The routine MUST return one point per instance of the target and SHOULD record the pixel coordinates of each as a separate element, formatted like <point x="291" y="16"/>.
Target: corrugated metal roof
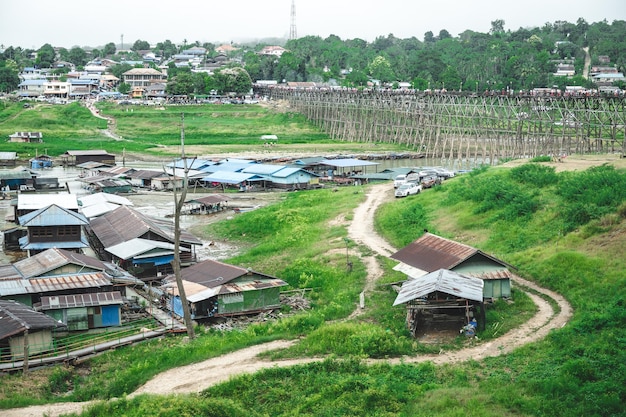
<point x="287" y="171"/>
<point x="53" y="215"/>
<point x="229" y="177"/>
<point x="430" y="253"/>
<point x="67" y="282"/>
<point x="210" y="199"/>
<point x="15" y="174"/>
<point x="8" y="156"/>
<point x="96" y="210"/>
<point x="262" y="169"/>
<point x="99" y="198"/>
<point x="125" y="223"/>
<point x="145" y="174"/>
<point x="233" y="288"/>
<point x="80" y="300"/>
<point x="442" y="280"/>
<point x="16" y="317"/>
<point x="212" y="273"/>
<point x="136" y="247"/>
<point x="44" y="262"/>
<point x="88" y="152"/>
<point x="37" y="201"/>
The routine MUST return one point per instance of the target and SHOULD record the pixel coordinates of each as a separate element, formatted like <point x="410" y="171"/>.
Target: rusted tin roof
<point x="80" y="300"/>
<point x="16" y="317"/>
<point x="212" y="273"/>
<point x="210" y="199"/>
<point x="51" y="259"/>
<point x="125" y="223"/>
<point x="442" y="280"/>
<point x="68" y="282"/>
<point x="431" y="253"/>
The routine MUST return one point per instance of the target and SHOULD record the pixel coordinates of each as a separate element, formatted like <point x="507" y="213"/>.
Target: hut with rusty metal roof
<point x="216" y="289"/>
<point x="430" y="253"/>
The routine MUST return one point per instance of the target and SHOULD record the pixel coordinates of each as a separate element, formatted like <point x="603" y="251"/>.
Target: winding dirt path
<point x="199" y="376"/>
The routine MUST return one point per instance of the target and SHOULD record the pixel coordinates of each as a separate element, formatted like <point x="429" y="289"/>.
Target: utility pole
<point x="179" y="201"/>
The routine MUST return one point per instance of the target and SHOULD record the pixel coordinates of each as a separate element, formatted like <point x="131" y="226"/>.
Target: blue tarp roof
<point x="227" y="177"/>
<point x="192" y="163"/>
<point x="157" y="260"/>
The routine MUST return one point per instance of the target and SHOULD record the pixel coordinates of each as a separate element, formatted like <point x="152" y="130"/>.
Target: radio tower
<point x="293" y="34"/>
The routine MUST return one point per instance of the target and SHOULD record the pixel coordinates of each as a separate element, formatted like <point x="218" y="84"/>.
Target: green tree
<point x="181" y="84"/>
<point x="232" y="80"/>
<point x="95" y="53"/>
<point x="124" y="88"/>
<point x="140" y="45"/>
<point x="165" y="49"/>
<point x="77" y="56"/>
<point x="45" y="56"/>
<point x="119" y="69"/>
<point x="356" y="78"/>
<point x="380" y="69"/>
<point x="109" y="50"/>
<point x="9" y="78"/>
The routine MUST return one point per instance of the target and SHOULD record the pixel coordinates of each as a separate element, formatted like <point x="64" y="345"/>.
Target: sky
<point x="68" y="23"/>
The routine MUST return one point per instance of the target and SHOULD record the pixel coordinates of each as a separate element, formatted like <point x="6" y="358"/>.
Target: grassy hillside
<point x="565" y="236"/>
<point x="147" y="131"/>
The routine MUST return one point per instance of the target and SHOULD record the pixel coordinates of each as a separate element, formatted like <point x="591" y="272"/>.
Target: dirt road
<point x="199" y="376"/>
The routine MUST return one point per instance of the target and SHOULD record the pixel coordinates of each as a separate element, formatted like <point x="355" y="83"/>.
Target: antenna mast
<point x="293" y="34"/>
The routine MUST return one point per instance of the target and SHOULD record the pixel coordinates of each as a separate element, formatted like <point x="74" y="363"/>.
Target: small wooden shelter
<point x="441" y="295"/>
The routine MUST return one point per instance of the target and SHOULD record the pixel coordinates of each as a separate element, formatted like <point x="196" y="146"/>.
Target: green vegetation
<point x="155" y="131"/>
<point x="500" y="59"/>
<point x="521" y="215"/>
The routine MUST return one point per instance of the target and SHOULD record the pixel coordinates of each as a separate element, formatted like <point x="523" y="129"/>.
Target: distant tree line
<point x="500" y="59"/>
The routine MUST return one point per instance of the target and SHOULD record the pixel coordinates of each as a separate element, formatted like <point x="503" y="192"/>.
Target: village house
<point x="26" y="137"/>
<point x="216" y="289"/>
<point x="273" y="50"/>
<point x="53" y="227"/>
<point x="59" y="90"/>
<point x="72" y="158"/>
<point x="21" y="325"/>
<point x="138" y="243"/>
<point x="31" y="88"/>
<point x="77" y="290"/>
<point x="8" y="158"/>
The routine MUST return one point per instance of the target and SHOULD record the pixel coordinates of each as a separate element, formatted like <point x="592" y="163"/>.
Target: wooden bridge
<point x="489" y="127"/>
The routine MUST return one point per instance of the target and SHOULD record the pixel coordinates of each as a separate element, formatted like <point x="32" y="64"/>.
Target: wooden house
<point x="20" y="326"/>
<point x="216" y="289"/>
<point x="72" y="158"/>
<point x="53" y="227"/>
<point x="430" y="253"/>
<point x="138" y="243"/>
<point x="78" y="290"/>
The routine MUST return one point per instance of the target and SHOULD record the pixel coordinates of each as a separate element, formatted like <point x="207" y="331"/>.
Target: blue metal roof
<point x="262" y="169"/>
<point x="236" y="166"/>
<point x="227" y="177"/>
<point x="53" y="215"/>
<point x="26" y="245"/>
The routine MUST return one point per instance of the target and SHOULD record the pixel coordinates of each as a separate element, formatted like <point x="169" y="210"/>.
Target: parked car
<point x="408" y="188"/>
<point x="399" y="180"/>
<point x="444" y="173"/>
<point x="430" y="181"/>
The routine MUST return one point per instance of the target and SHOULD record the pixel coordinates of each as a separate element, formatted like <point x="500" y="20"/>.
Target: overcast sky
<point x="68" y="23"/>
